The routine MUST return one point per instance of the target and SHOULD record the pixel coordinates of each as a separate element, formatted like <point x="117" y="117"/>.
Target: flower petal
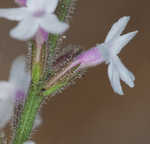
<point x="51" y="24"/>
<point x="16" y="14"/>
<point x="31" y="4"/>
<point x="122" y="41"/>
<point x="19" y="76"/>
<point x="51" y="5"/>
<point x="117" y="71"/>
<point x="125" y="74"/>
<point x="26" y="29"/>
<point x="7" y="102"/>
<point x="117" y="28"/>
<point x="48" y="5"/>
<point x="114" y="79"/>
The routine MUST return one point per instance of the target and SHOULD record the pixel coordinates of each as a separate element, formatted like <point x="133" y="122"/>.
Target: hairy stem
<point x="30" y="110"/>
<point x="28" y="115"/>
<point x="62" y="11"/>
<point x="35" y="95"/>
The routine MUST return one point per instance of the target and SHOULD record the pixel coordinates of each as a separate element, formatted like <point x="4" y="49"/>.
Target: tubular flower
<point x="37" y="14"/>
<point x="19" y="80"/>
<point x="108" y="52"/>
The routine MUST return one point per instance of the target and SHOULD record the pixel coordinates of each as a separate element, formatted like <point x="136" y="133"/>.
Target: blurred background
<point x="90" y="112"/>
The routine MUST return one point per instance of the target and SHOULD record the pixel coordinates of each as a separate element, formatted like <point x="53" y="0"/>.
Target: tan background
<point x="89" y="112"/>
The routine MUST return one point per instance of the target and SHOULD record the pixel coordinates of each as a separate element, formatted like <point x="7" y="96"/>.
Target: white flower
<point x="37" y="14"/>
<point x="110" y="49"/>
<point x="19" y="76"/>
<point x="7" y="102"/>
<point x="19" y="80"/>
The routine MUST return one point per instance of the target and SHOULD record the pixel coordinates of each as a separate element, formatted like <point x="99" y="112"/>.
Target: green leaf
<point x="54" y="88"/>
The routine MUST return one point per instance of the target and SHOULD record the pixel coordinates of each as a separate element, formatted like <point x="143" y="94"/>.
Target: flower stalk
<point x="33" y="101"/>
<point x="36" y="95"/>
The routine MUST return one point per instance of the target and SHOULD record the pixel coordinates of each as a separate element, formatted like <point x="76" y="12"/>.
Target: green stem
<point x="28" y="115"/>
<point x="35" y="96"/>
<point x="32" y="103"/>
<point x="62" y="11"/>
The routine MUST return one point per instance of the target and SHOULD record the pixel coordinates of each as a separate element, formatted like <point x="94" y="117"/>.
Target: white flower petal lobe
<point x="51" y="5"/>
<point x="15" y="14"/>
<point x="114" y="79"/>
<point x="7" y="102"/>
<point x="122" y="41"/>
<point x="19" y="75"/>
<point x="26" y="29"/>
<point x="117" y="28"/>
<point x="50" y="23"/>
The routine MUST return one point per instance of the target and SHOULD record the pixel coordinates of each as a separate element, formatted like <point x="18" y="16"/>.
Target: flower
<point x="19" y="80"/>
<point x="35" y="15"/>
<point x="108" y="52"/>
<point x="7" y="102"/>
<point x="19" y="76"/>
